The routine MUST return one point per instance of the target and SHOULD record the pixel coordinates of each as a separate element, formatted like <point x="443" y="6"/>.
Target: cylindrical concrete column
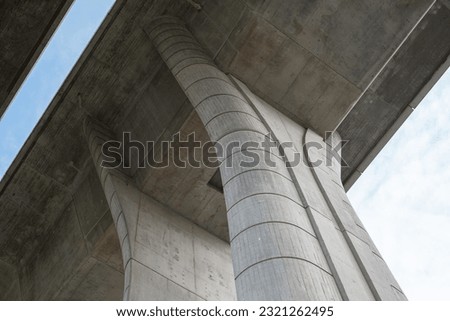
<point x="276" y="253"/>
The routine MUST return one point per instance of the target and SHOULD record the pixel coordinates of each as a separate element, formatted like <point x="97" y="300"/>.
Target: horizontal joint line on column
<point x="343" y="200"/>
<point x="126" y="263"/>
<point x="217" y="95"/>
<point x="263" y="193"/>
<point x="207" y="78"/>
<point x="237" y="130"/>
<point x="241" y="130"/>
<point x="207" y="62"/>
<point x="163" y="52"/>
<point x="392" y="285"/>
<point x="160" y="32"/>
<point x="119" y="207"/>
<point x="199" y="50"/>
<point x="116" y="220"/>
<point x="158" y="42"/>
<point x="125" y="237"/>
<point x="283" y="257"/>
<point x="258" y="149"/>
<point x="271" y="222"/>
<point x="231" y="112"/>
<point x="180" y="35"/>
<point x="378" y="255"/>
<point x="354" y="235"/>
<point x="297" y="204"/>
<point x="254" y="170"/>
<point x="320" y="213"/>
<point x="126" y="291"/>
<point x="165" y="19"/>
<point x="206" y="58"/>
<point x="227" y="83"/>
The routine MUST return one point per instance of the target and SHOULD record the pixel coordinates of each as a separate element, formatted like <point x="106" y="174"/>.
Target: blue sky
<point x="48" y="74"/>
<point x="402" y="198"/>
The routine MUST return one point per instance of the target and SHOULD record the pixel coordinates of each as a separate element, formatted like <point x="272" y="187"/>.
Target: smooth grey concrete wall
<point x="292" y="236"/>
<point x="166" y="257"/>
<point x="77" y="261"/>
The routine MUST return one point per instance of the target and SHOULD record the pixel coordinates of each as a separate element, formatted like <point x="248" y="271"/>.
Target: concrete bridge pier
<point x="267" y="79"/>
<point x="293" y="232"/>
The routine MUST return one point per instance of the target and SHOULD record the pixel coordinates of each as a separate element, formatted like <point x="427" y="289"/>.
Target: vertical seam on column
<point x="334" y="273"/>
<point x="93" y="131"/>
<point x="352" y="248"/>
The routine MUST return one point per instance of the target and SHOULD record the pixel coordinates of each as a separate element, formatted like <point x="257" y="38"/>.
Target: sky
<point x="47" y="75"/>
<point x="403" y="198"/>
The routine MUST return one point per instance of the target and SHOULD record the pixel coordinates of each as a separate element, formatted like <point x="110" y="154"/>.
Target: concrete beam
<point x="409" y="75"/>
<point x="25" y="29"/>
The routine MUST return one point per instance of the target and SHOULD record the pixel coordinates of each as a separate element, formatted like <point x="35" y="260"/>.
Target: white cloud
<point x="403" y="199"/>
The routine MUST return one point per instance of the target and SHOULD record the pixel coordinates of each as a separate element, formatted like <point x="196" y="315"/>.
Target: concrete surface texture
<point x="234" y="70"/>
<point x="25" y="28"/>
<point x="166" y="257"/>
<point x="283" y="248"/>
